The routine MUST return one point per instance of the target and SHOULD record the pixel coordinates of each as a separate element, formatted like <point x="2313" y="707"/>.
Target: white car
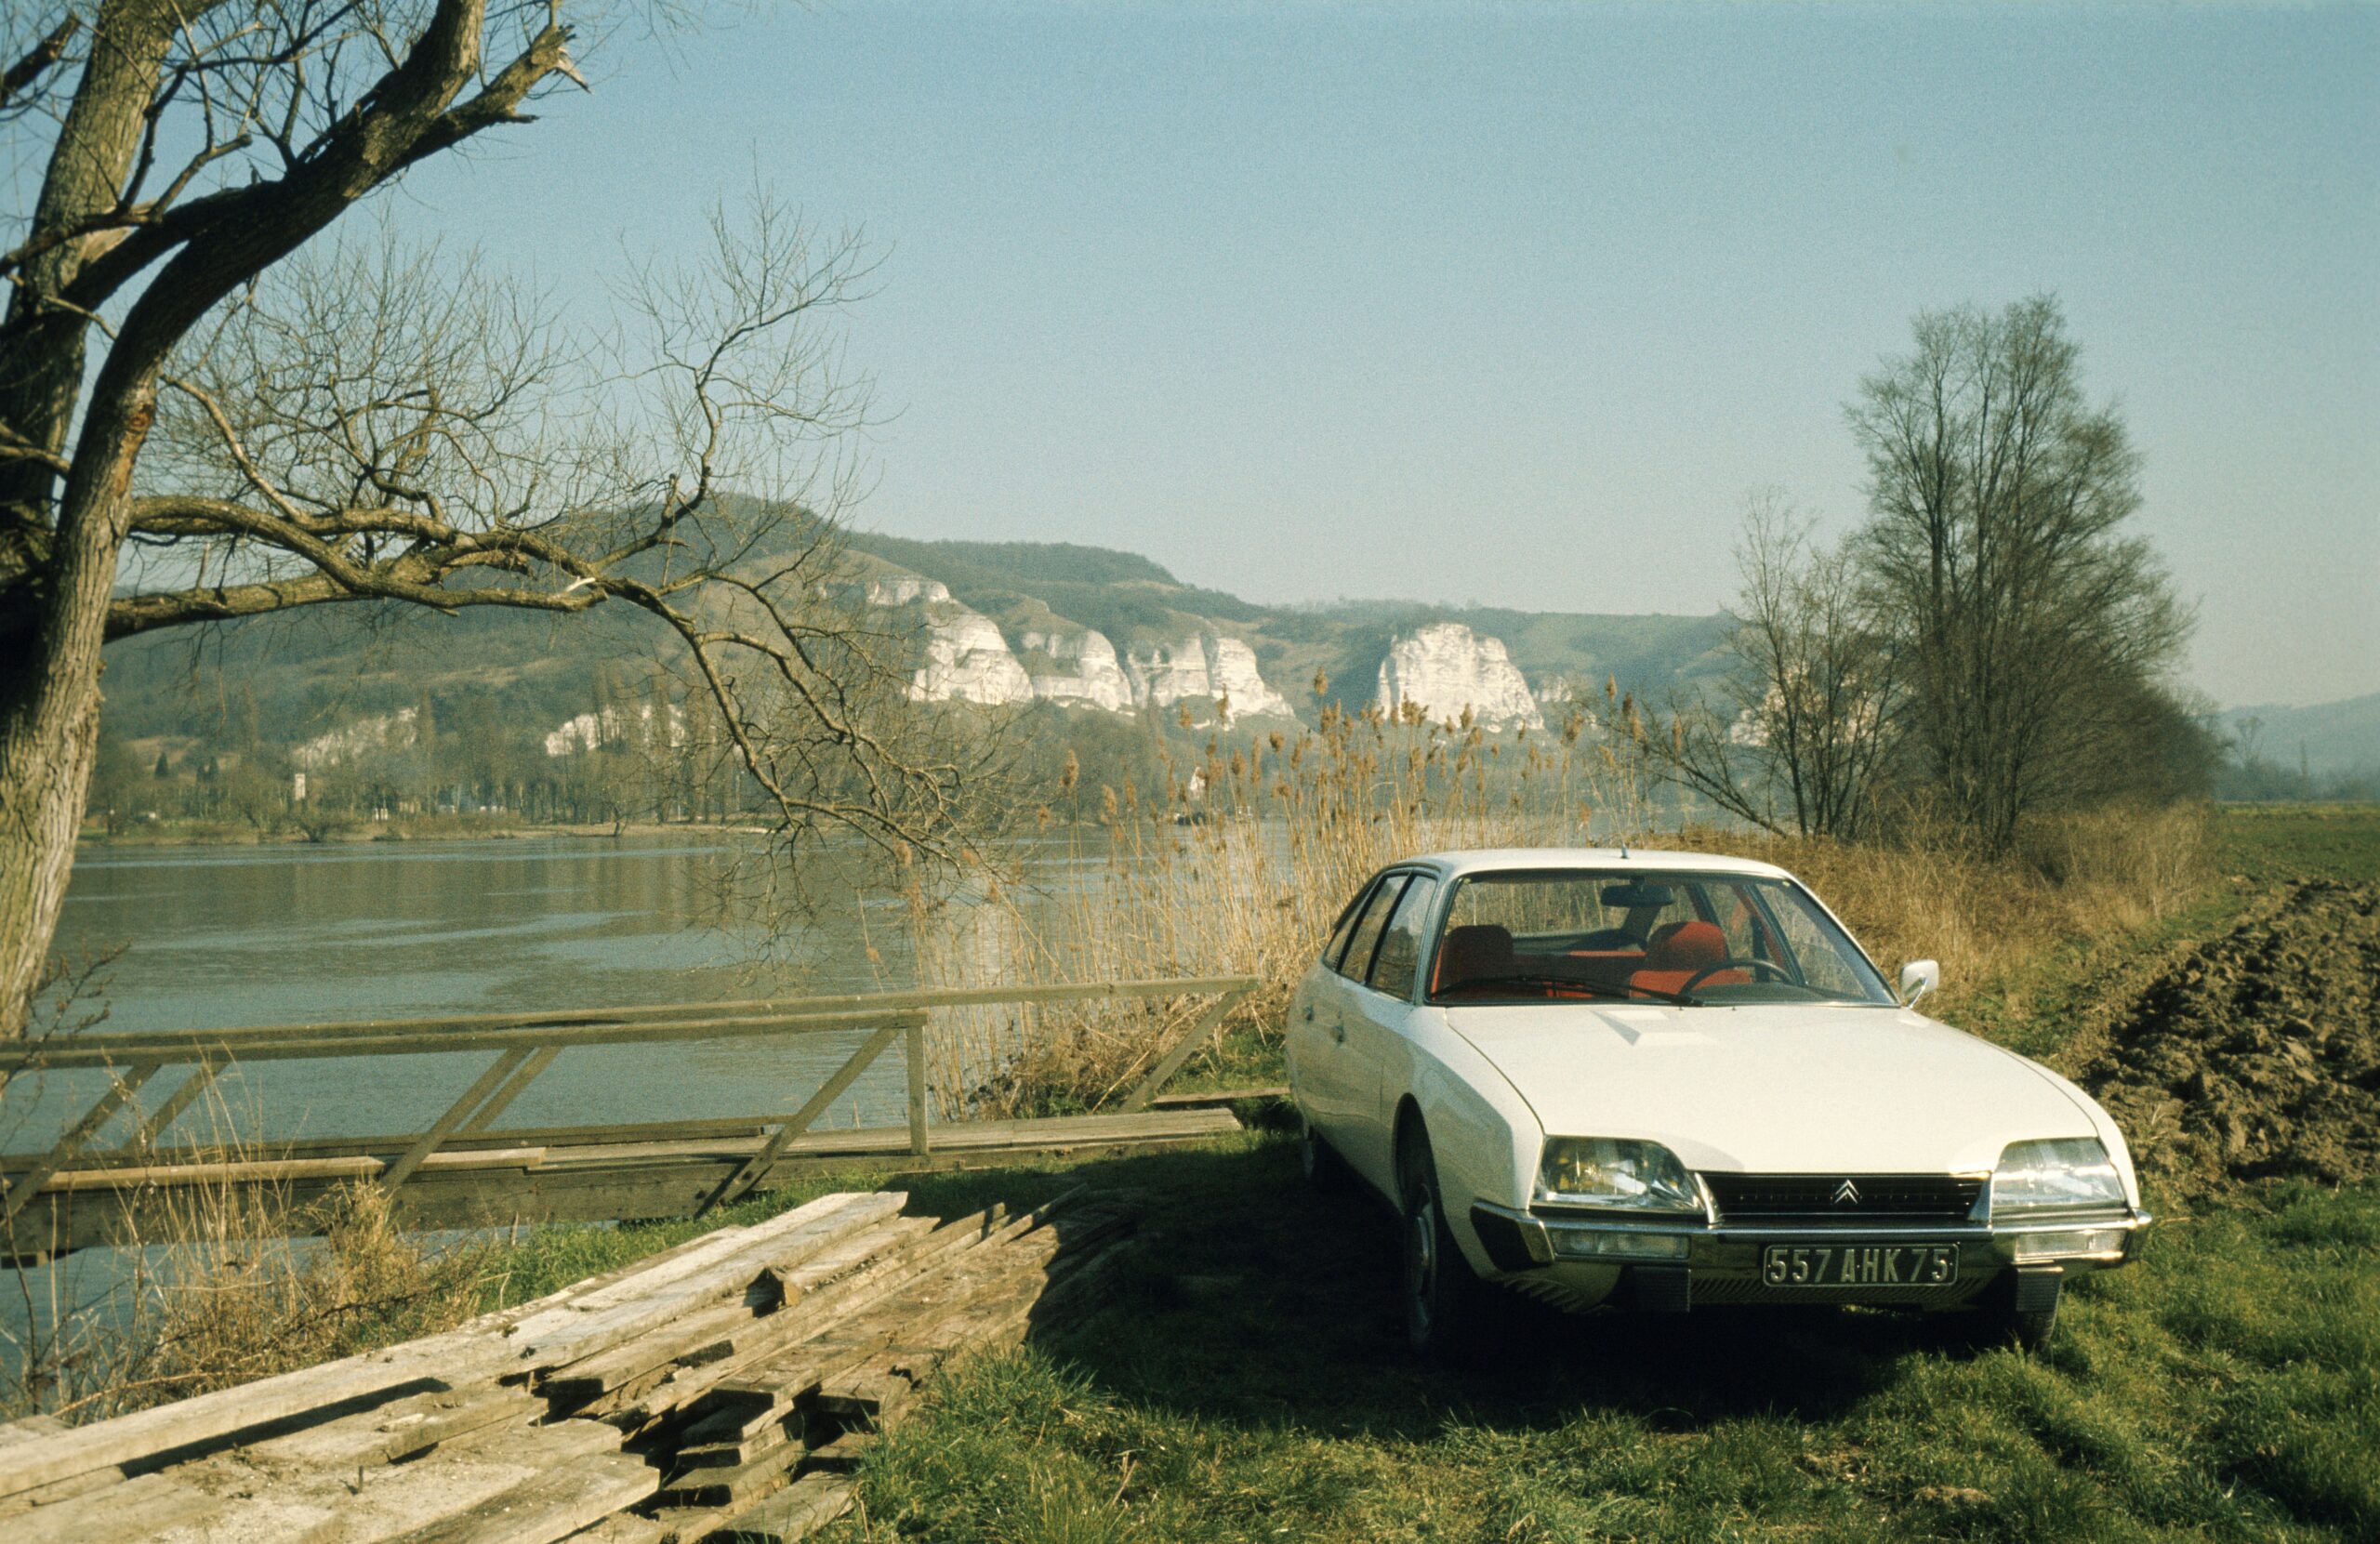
<point x="1667" y="1080"/>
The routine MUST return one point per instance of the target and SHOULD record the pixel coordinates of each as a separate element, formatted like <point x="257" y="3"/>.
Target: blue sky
<point x="1516" y="304"/>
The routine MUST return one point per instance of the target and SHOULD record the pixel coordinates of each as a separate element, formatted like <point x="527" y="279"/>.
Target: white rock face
<point x="967" y="660"/>
<point x="1079" y="669"/>
<point x="611" y="726"/>
<point x="381" y="731"/>
<point x="907" y="589"/>
<point x="1204" y="664"/>
<point x="1446" y="667"/>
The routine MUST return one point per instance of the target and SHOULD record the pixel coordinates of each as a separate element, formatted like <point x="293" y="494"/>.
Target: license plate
<point x="1859" y="1265"/>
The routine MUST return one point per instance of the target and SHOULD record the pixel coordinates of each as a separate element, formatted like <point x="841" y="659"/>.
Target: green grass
<point x="1247" y="1382"/>
<point x="2266" y="843"/>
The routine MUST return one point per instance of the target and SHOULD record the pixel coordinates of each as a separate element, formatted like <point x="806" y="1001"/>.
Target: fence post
<point x="917" y="1052"/>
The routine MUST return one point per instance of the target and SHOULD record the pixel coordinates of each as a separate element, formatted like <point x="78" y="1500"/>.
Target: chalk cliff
<point x="1204" y="664"/>
<point x="1079" y="667"/>
<point x="1445" y="667"/>
<point x="966" y="659"/>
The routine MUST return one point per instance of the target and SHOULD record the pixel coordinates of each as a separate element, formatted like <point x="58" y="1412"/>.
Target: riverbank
<point x="409" y="828"/>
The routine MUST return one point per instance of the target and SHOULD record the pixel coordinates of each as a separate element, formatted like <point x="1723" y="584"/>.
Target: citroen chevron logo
<point x="1846" y="1194"/>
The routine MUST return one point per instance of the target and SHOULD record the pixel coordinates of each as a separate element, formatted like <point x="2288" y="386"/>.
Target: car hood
<point x="1796" y="1088"/>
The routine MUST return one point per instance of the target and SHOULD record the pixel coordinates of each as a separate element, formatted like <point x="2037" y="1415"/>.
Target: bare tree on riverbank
<point x="269" y="427"/>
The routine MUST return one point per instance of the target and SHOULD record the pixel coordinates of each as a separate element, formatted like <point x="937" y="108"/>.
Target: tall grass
<point x="216" y="1282"/>
<point x="1238" y="864"/>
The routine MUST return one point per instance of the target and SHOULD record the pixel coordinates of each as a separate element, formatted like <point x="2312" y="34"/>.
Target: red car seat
<point x="1478" y="951"/>
<point x="1675" y="951"/>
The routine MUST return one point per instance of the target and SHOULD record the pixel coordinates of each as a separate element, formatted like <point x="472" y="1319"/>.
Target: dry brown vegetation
<point x="1242" y="863"/>
<point x="220" y="1294"/>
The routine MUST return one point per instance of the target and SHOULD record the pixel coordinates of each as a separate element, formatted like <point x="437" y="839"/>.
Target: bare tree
<point x="269" y="427"/>
<point x="1798" y="736"/>
<point x="2034" y="632"/>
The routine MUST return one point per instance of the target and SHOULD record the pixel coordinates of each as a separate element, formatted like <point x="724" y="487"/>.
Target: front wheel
<point x="1449" y="1311"/>
<point x="2026" y="1318"/>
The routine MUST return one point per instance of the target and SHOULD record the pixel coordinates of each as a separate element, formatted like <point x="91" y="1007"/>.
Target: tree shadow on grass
<point x="1253" y="1298"/>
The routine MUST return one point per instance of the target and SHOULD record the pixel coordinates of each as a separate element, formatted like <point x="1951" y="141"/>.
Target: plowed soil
<point x="2257" y="1055"/>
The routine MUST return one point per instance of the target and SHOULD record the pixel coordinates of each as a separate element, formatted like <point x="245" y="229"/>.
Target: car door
<point x="1375" y="1055"/>
<point x="1329" y="1086"/>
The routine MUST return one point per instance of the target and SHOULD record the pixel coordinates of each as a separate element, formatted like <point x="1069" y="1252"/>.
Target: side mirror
<point x="1917" y="978"/>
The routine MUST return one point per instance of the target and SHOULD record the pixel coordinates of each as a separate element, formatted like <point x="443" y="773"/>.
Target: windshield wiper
<point x="1602" y="989"/>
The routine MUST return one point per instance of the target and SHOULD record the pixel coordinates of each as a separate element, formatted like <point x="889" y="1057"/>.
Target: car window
<point x="1819" y="959"/>
<point x="1643" y="933"/>
<point x="1358" y="957"/>
<point x="1347" y="920"/>
<point x="1400" y="946"/>
<point x="1747" y="931"/>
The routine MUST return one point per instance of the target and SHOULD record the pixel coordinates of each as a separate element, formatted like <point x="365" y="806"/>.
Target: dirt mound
<point x="2259" y="1054"/>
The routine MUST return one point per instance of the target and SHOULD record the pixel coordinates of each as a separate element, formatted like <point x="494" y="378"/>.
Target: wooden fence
<point x="462" y="1170"/>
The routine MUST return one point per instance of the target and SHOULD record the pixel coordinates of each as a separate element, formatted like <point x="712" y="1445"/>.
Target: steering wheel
<point x="1737" y="963"/>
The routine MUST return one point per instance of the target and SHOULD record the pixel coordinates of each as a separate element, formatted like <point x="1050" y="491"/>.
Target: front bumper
<point x="1582" y="1260"/>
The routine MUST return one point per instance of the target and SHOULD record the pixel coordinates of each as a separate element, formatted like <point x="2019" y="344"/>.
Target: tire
<point x="1319" y="1162"/>
<point x="2027" y="1328"/>
<point x="1450" y="1313"/>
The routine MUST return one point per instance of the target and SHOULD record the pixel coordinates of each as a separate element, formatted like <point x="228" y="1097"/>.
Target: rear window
<point x="1357" y="961"/>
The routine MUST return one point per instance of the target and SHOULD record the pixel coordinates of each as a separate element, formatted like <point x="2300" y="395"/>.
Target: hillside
<point x="2332" y="737"/>
<point x="1089" y="628"/>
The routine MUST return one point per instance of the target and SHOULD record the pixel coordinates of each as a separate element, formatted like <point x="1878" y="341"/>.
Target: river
<point x="220" y="936"/>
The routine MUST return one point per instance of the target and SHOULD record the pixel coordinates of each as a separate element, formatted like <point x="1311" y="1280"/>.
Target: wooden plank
<point x="400" y="1429"/>
<point x="795" y="1512"/>
<point x="575" y="1332"/>
<point x="1184" y="1046"/>
<point x="828" y="1091"/>
<point x="500" y="1100"/>
<point x="734" y="1486"/>
<point x="119" y="1090"/>
<point x="575" y="1027"/>
<point x="128" y="1511"/>
<point x="731" y="1451"/>
<point x="498" y="1071"/>
<point x="1217" y="1096"/>
<point x="739" y="1136"/>
<point x="374" y="1503"/>
<point x="842" y="1454"/>
<point x="558" y="1502"/>
<point x="202" y="1078"/>
<point x="484" y="1348"/>
<point x="917" y="1058"/>
<point x="100" y="1050"/>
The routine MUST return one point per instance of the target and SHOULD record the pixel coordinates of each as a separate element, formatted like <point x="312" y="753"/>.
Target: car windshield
<point x="1644" y="936"/>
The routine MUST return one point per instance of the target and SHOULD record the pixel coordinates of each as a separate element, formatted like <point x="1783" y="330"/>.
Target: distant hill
<point x="2334" y="737"/>
<point x="290" y="678"/>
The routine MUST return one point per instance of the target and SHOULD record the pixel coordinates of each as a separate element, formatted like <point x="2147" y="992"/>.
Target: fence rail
<point x="55" y="1198"/>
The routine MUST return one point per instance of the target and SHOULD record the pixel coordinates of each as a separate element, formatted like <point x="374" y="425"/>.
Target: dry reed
<point x="217" y="1283"/>
<point x="1241" y="862"/>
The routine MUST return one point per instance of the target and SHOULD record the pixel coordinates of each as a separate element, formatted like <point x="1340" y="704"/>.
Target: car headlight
<point x="2054" y="1176"/>
<point x="1603" y="1171"/>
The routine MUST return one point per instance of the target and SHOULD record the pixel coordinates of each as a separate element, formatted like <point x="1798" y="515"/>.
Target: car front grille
<point x="1843" y="1200"/>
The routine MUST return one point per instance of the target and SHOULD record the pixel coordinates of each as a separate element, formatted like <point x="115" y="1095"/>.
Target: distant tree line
<point x="1995" y="640"/>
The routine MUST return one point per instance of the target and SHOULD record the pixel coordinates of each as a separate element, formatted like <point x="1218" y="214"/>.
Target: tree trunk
<point x="49" y="734"/>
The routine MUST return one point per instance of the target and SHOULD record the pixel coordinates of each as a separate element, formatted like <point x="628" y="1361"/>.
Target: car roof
<point x="1504" y="859"/>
